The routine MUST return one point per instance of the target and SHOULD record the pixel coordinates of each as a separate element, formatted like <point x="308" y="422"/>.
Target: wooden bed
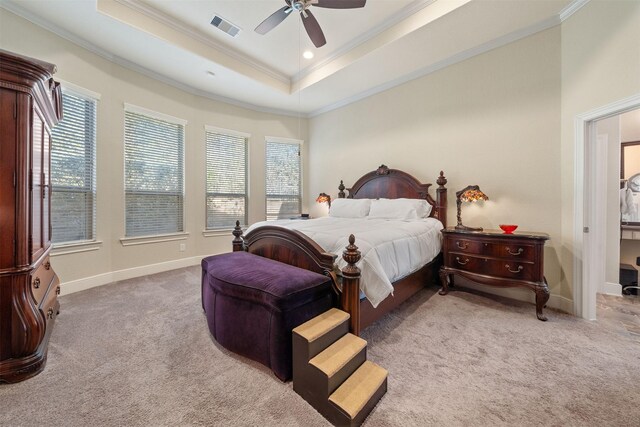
<point x="294" y="248"/>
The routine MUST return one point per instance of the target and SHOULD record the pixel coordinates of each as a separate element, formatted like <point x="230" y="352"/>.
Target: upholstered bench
<point x="252" y="304"/>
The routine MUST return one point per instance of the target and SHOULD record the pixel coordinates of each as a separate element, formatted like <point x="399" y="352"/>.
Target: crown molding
<point x="571" y="8"/>
<point x="36" y="20"/>
<point x="398" y="17"/>
<point x="464" y="55"/>
<point x="172" y="23"/>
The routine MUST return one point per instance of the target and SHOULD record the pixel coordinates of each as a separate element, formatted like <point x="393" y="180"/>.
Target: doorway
<point x="590" y="225"/>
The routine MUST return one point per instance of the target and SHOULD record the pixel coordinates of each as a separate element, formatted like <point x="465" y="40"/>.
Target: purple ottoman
<point x="252" y="304"/>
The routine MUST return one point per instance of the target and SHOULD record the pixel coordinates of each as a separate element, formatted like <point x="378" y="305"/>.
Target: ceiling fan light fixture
<point x="307" y="54"/>
<point x="310" y="23"/>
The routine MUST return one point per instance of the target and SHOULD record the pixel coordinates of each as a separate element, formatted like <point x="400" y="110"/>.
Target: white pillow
<point x="350" y="208"/>
<point x="400" y="209"/>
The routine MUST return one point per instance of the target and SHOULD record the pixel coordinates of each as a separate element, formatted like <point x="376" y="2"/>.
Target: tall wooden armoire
<point x="30" y="105"/>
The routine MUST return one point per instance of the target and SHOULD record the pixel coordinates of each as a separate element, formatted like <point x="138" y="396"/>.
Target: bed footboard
<point x="294" y="248"/>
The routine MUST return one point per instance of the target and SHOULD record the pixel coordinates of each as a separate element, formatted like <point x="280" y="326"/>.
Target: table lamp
<point x="324" y="198"/>
<point x="470" y="193"/>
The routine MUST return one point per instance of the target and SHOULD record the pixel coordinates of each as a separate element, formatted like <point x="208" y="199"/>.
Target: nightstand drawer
<point x="515" y="252"/>
<point x="464" y="262"/>
<point x="509" y="269"/>
<point x="502" y="268"/>
<point x="457" y="244"/>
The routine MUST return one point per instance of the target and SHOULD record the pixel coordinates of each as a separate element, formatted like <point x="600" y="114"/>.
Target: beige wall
<point x="600" y="65"/>
<point x="630" y="131"/>
<point x="492" y="120"/>
<point x="118" y="85"/>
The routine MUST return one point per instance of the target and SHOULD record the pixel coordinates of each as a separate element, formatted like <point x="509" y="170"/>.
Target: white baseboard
<point x="609" y="288"/>
<point x="557" y="302"/>
<point x="129" y="273"/>
<point x="561" y="303"/>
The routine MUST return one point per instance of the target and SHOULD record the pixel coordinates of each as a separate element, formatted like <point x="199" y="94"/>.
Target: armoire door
<point x="7" y="175"/>
<point x="46" y="190"/>
<point x="37" y="135"/>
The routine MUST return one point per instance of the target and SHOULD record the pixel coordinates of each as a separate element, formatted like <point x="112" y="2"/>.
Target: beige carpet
<point x="138" y="353"/>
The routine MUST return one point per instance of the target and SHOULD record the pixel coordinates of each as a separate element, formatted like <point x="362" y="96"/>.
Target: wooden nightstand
<point x="491" y="257"/>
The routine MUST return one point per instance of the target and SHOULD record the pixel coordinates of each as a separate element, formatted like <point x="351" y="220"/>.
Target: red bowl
<point x="508" y="228"/>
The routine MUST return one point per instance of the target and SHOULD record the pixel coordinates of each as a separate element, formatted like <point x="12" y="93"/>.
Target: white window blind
<point x="284" y="179"/>
<point x="226" y="179"/>
<point x="154" y="175"/>
<point x="73" y="172"/>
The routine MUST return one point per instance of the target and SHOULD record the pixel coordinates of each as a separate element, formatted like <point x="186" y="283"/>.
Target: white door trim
<point x="587" y="266"/>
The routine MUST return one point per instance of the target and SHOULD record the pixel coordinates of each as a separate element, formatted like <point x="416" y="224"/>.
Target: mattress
<point x="390" y="249"/>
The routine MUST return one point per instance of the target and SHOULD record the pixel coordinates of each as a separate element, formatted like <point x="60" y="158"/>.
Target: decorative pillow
<point x="400" y="209"/>
<point x="350" y="208"/>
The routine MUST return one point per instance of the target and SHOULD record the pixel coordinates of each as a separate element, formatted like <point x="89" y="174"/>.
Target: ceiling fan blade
<point x="313" y="29"/>
<point x="272" y="21"/>
<point x="340" y="4"/>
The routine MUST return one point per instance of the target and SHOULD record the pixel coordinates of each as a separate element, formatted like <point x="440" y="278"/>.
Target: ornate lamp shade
<point x="324" y="198"/>
<point x="470" y="193"/>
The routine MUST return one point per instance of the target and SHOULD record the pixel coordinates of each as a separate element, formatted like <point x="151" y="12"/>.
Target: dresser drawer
<point x="40" y="280"/>
<point x="514" y="252"/>
<point x="509" y="269"/>
<point x="468" y="246"/>
<point x="464" y="262"/>
<point x="49" y="306"/>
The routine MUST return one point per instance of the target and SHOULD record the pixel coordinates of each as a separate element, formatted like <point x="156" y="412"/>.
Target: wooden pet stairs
<point x="331" y="371"/>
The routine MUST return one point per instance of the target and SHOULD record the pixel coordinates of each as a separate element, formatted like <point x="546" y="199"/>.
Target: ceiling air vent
<point x="225" y="26"/>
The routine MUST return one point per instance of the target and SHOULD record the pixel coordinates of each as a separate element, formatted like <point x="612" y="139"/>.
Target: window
<point x="226" y="177"/>
<point x="73" y="172"/>
<point x="154" y="173"/>
<point x="284" y="178"/>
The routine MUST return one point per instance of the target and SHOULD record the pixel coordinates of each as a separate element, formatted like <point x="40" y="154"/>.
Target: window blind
<point x="154" y="175"/>
<point x="226" y="179"/>
<point x="73" y="172"/>
<point x="284" y="175"/>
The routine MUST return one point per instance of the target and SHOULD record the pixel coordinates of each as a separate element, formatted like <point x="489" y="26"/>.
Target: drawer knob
<point x="514" y="271"/>
<point x="50" y="313"/>
<point x="36" y="283"/>
<point x="466" y="261"/>
<point x="462" y="246"/>
<point x="57" y="290"/>
<point x="47" y="265"/>
<point x="518" y="252"/>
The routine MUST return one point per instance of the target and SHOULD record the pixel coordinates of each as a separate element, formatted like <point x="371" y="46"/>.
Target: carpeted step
<point x="340" y="360"/>
<point x="358" y="395"/>
<point x="323" y="330"/>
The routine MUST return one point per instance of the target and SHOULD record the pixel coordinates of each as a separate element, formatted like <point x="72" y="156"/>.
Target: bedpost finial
<point x="441" y="181"/>
<point x="382" y="170"/>
<point x="341" y="188"/>
<point x="351" y="255"/>
<point x="238" y="242"/>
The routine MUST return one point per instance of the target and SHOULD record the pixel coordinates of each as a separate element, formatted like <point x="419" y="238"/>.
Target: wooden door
<point x="8" y="178"/>
<point x="37" y="135"/>
<point x="46" y="190"/>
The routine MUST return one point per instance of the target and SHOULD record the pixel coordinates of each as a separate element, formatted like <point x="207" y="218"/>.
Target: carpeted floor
<point x="138" y="353"/>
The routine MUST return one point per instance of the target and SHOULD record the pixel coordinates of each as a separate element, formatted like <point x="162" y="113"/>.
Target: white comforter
<point x="390" y="249"/>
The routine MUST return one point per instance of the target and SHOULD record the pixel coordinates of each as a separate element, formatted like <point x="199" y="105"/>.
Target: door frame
<point x="589" y="234"/>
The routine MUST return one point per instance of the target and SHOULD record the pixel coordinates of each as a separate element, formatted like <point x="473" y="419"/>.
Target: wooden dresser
<point x="491" y="257"/>
<point x="30" y="105"/>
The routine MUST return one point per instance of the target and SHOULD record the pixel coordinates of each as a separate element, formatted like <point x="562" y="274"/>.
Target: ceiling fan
<point x="310" y="22"/>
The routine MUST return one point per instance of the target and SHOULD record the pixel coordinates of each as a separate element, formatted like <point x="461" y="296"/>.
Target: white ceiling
<point x="368" y="50"/>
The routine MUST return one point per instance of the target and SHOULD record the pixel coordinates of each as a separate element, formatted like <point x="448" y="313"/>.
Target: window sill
<point x="76" y="247"/>
<point x="218" y="232"/>
<point x="144" y="240"/>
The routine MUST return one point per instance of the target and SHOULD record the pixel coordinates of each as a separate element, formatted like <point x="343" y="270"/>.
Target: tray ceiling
<point x="368" y="50"/>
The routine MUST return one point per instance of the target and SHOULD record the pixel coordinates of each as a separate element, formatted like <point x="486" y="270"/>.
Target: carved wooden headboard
<point x="394" y="184"/>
